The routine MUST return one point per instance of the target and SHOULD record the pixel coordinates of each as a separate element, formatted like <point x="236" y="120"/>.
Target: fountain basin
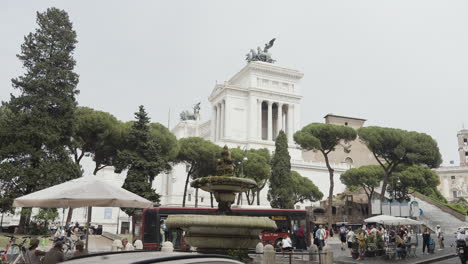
<point x="221" y="231"/>
<point x="224" y="184"/>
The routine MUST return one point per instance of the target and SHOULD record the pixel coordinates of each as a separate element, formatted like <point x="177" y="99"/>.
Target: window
<point x="455" y="195"/>
<point x="465" y="141"/>
<point x="189" y="198"/>
<point x="452" y="177"/>
<point x="107" y="213"/>
<point x="345" y="123"/>
<point x="201" y="199"/>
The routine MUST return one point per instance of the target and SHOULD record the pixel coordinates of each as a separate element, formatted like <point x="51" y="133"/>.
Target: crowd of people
<point x="397" y="239"/>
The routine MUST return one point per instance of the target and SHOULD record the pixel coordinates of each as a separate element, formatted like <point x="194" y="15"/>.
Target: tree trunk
<point x="253" y="198"/>
<point x="196" y="197"/>
<point x="185" y="189"/>
<point x="369" y="204"/>
<point x="25" y="219"/>
<point x="258" y="197"/>
<point x="330" y="192"/>
<point x="69" y="215"/>
<point x="239" y="198"/>
<point x="211" y="200"/>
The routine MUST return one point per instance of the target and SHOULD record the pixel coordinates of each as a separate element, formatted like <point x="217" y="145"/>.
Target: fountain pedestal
<point x="222" y="232"/>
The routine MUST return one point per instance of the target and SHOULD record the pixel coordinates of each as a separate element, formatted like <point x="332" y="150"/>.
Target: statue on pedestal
<point x="261" y="55"/>
<point x="186" y="115"/>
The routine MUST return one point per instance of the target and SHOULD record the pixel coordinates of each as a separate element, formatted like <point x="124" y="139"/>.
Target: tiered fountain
<point x="224" y="231"/>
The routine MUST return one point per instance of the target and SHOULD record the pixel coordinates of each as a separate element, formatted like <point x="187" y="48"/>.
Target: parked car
<point x="147" y="257"/>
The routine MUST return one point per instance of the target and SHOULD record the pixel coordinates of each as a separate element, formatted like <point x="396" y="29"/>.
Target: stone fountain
<point x="224" y="231"/>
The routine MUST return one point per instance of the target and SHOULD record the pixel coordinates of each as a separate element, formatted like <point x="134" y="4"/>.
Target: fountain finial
<point x="225" y="164"/>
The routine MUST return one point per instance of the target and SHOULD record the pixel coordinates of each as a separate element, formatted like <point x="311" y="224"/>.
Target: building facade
<point x="248" y="111"/>
<point x="454" y="179"/>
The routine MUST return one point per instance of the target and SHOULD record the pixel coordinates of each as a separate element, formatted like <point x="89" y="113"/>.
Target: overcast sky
<point x="400" y="64"/>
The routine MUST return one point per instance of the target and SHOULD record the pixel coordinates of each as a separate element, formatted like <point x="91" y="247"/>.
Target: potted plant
<point x="371" y="246"/>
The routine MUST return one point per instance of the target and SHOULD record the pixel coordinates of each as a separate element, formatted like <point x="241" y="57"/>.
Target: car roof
<point x="143" y="257"/>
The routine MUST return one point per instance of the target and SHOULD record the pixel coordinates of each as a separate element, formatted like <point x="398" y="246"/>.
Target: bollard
<point x="313" y="253"/>
<point x="167" y="247"/>
<point x="328" y="257"/>
<point x="259" y="248"/>
<point x="269" y="255"/>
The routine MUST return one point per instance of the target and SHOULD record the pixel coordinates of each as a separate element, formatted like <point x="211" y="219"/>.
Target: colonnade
<point x="266" y="119"/>
<point x="274" y="117"/>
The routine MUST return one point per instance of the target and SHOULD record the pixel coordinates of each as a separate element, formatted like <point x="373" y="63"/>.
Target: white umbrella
<point x="82" y="192"/>
<point x="407" y="221"/>
<point x="381" y="219"/>
<point x="391" y="220"/>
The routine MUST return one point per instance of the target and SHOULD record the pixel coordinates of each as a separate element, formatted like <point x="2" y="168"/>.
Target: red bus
<point x="150" y="227"/>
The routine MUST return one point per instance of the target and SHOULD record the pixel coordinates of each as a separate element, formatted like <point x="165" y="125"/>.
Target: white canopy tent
<point x="391" y="220"/>
<point x="83" y="192"/>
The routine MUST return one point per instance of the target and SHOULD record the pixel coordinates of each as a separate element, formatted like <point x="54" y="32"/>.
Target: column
<point x="223" y="112"/>
<point x="218" y="121"/>
<point x="270" y="121"/>
<point x="290" y="123"/>
<point x="260" y="120"/>
<point x="279" y="120"/>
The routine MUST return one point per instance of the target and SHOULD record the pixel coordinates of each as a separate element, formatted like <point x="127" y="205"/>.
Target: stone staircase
<point x="433" y="215"/>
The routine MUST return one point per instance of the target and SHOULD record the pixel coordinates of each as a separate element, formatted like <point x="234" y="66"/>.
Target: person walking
<point x="343" y="231"/>
<point x="350" y="237"/>
<point x="440" y="236"/>
<point x="320" y="236"/>
<point x="300" y="238"/>
<point x="426" y="238"/>
<point x="362" y="244"/>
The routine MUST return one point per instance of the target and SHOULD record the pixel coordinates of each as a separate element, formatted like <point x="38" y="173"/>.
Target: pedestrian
<point x="343" y="232"/>
<point x="320" y="236"/>
<point x="440" y="236"/>
<point x="362" y="244"/>
<point x="426" y="237"/>
<point x="55" y="254"/>
<point x="300" y="238"/>
<point x="33" y="254"/>
<point x="350" y="237"/>
<point x="286" y="244"/>
<point x="80" y="251"/>
<point x="127" y="246"/>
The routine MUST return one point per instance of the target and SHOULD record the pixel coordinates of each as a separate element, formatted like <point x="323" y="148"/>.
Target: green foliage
<point x="279" y="193"/>
<point x="392" y="147"/>
<point x="457" y="207"/>
<point x="45" y="216"/>
<point x="37" y="123"/>
<point x="200" y="155"/>
<point x="304" y="189"/>
<point x="253" y="164"/>
<point x="406" y="179"/>
<point x="97" y="134"/>
<point x="367" y="177"/>
<point x="148" y="150"/>
<point x="324" y="138"/>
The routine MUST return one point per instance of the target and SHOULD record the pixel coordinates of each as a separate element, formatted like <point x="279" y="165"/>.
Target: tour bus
<point x="150" y="226"/>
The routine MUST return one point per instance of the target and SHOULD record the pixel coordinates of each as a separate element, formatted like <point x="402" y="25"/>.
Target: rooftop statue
<point x="261" y="55"/>
<point x="186" y="115"/>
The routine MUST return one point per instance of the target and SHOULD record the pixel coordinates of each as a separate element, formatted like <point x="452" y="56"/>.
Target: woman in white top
<point x="33" y="256"/>
<point x="286" y="243"/>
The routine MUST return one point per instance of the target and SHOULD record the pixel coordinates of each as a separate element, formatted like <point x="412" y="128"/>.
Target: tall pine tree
<point x="39" y="120"/>
<point x="281" y="184"/>
<point x="149" y="149"/>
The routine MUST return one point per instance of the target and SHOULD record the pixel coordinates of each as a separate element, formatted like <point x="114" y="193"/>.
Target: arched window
<point x="349" y="161"/>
